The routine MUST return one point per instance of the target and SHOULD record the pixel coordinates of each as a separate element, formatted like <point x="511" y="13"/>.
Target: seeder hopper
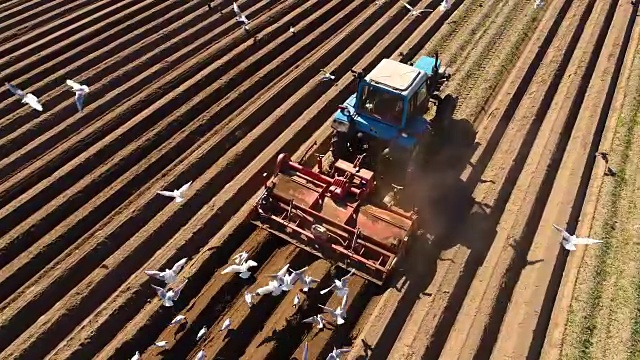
<point x="332" y="216"/>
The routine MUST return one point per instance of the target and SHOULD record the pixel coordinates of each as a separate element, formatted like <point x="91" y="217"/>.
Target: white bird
<point x="248" y="297"/>
<point x="538" y="4"/>
<point x="168" y="297"/>
<point x="81" y="92"/>
<point x="243" y="268"/>
<point x="570" y="241"/>
<point x="273" y="288"/>
<point x="226" y="325"/>
<point x="161" y="344"/>
<point x="327" y="75"/>
<point x="169" y="276"/>
<point x="307" y="282"/>
<point x="200" y="355"/>
<point x="201" y="333"/>
<point x="380" y="2"/>
<point x="340" y="285"/>
<point x="240" y="16"/>
<point x="241" y="257"/>
<point x="339" y="313"/>
<point x="280" y="275"/>
<point x="413" y="11"/>
<point x="445" y="5"/>
<point x="305" y="351"/>
<point x="292" y="30"/>
<point x="177" y="194"/>
<point x="177" y="320"/>
<point x="336" y="353"/>
<point x="27" y="98"/>
<point x="296" y="301"/>
<point x="136" y="356"/>
<point x="316" y="320"/>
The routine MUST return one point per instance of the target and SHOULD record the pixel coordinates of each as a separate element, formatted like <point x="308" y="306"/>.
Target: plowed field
<point x="180" y="93"/>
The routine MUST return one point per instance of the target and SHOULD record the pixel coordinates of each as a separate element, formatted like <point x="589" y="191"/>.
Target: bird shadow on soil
<point x="443" y="200"/>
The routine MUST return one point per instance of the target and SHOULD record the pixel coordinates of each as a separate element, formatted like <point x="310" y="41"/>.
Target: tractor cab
<point x="388" y="112"/>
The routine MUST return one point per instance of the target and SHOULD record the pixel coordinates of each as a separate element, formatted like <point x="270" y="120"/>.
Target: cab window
<point x="417" y="103"/>
<point x="383" y="105"/>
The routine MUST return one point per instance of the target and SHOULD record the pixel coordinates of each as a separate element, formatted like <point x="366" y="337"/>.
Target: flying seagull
<point x="297" y="274"/>
<point x="340" y="285"/>
<point x="339" y="313"/>
<point x="201" y="333"/>
<point x="445" y="5"/>
<point x="305" y="351"/>
<point x="307" y="282"/>
<point x="243" y="268"/>
<point x="240" y="16"/>
<point x="81" y="92"/>
<point x="27" y="98"/>
<point x="570" y="241"/>
<point x="168" y="297"/>
<point x="316" y="320"/>
<point x="414" y="12"/>
<point x="327" y="75"/>
<point x="200" y="355"/>
<point x="168" y="275"/>
<point x="177" y="320"/>
<point x="538" y="4"/>
<point x="248" y="298"/>
<point x="177" y="194"/>
<point x="336" y="353"/>
<point x="161" y="344"/>
<point x="292" y="30"/>
<point x="226" y="325"/>
<point x="273" y="288"/>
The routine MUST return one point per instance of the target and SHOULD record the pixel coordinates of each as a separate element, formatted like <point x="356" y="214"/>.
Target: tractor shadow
<point x="443" y="201"/>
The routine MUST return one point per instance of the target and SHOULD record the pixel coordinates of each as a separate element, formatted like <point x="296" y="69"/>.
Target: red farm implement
<point x="333" y="217"/>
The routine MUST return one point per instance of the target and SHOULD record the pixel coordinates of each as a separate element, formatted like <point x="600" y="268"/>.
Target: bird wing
<point x="15" y="90"/>
<point x="160" y="291"/>
<point x="80" y="95"/>
<point x="586" y="241"/>
<point x="407" y="5"/>
<point x="184" y="187"/>
<point x="305" y="351"/>
<point x="250" y="263"/>
<point x="33" y="101"/>
<point x="176" y="292"/>
<point x="156" y="274"/>
<point x="74" y="85"/>
<point x="425" y="10"/>
<point x="283" y="271"/>
<point x="233" y="269"/>
<point x="347" y="276"/>
<point x="236" y="9"/>
<point x="265" y="289"/>
<point x="564" y="233"/>
<point x="311" y="320"/>
<point x="327" y="289"/>
<point x="166" y="193"/>
<point x="178" y="266"/>
<point x="343" y="351"/>
<point x="343" y="305"/>
<point x="327" y="309"/>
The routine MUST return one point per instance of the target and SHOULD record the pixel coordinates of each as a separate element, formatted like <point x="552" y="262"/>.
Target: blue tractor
<point x="388" y="125"/>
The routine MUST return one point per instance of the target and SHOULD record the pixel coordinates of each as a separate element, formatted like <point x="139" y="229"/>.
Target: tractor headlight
<point x="340" y="126"/>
